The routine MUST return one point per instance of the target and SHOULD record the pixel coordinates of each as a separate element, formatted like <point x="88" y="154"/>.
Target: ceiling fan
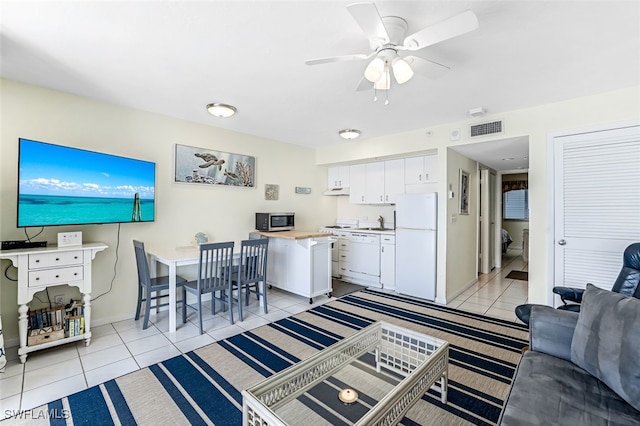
<point x="390" y="45"/>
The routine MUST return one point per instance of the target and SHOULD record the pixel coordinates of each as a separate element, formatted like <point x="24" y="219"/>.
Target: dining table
<point x="175" y="257"/>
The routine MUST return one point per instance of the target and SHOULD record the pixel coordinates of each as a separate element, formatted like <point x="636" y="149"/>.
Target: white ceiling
<point x="174" y="57"/>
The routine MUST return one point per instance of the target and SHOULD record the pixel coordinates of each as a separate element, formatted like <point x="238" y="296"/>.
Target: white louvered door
<point x="597" y="204"/>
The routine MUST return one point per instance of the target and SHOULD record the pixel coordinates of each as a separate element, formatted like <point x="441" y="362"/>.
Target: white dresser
<point x="40" y="268"/>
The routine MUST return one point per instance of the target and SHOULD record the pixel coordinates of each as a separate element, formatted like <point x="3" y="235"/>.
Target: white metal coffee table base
<point x="422" y="360"/>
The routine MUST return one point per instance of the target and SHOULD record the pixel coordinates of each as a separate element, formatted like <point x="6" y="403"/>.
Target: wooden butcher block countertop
<point x="294" y="235"/>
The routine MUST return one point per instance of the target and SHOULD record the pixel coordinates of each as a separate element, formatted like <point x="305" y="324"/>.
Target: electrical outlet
<point x="59" y="299"/>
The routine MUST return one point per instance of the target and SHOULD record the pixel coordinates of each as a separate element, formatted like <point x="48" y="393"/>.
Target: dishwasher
<point x="364" y="257"/>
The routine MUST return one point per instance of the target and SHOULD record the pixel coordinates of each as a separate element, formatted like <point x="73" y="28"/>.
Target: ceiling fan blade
<point x="356" y="57"/>
<point x="449" y="28"/>
<point x="426" y="67"/>
<point x="369" y="20"/>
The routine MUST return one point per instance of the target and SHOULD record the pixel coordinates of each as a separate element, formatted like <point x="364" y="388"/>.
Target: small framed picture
<point x="464" y="192"/>
<point x="271" y="192"/>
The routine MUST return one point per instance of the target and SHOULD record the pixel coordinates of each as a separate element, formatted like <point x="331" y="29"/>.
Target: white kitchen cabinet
<point x="393" y="180"/>
<point x="344" y="260"/>
<point x="376" y="183"/>
<point x="300" y="266"/>
<point x="388" y="262"/>
<point x="421" y="170"/>
<point x="358" y="183"/>
<point x="374" y="173"/>
<point x="338" y="177"/>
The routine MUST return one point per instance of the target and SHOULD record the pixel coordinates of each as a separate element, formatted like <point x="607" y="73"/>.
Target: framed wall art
<point x="464" y="192"/>
<point x="271" y="192"/>
<point x="210" y="167"/>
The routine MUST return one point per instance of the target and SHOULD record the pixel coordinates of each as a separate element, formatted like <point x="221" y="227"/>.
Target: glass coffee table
<point x="370" y="378"/>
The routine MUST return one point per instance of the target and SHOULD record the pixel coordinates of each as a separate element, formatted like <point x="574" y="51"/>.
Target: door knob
<point x="562" y="242"/>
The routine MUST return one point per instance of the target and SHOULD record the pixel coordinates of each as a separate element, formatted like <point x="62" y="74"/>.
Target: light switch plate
<point x="67" y="239"/>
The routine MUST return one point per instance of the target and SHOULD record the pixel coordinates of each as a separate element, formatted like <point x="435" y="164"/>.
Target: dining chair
<point x="147" y="286"/>
<point x="252" y="271"/>
<point x="214" y="276"/>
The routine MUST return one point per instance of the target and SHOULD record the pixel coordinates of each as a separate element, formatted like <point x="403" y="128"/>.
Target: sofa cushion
<point x="552" y="391"/>
<point x="606" y="342"/>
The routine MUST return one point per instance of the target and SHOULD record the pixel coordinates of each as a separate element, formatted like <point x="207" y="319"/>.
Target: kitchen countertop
<point x="293" y="235"/>
<point x="370" y="231"/>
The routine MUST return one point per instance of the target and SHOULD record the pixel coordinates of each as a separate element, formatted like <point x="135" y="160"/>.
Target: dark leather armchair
<point x="627" y="283"/>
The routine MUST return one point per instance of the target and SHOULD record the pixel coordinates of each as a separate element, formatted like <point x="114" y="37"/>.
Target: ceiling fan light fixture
<point x="221" y="110"/>
<point x="384" y="83"/>
<point x="374" y="70"/>
<point x="349" y="133"/>
<point x="401" y="70"/>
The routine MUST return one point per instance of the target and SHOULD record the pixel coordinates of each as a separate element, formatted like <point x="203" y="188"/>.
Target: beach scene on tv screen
<point x="60" y="185"/>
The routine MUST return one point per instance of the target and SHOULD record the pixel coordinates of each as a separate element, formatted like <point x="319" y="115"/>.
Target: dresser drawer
<point x="52" y="260"/>
<point x="56" y="276"/>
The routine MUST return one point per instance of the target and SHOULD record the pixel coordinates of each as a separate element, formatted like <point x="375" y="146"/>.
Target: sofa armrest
<point x="551" y="331"/>
<point x="570" y="294"/>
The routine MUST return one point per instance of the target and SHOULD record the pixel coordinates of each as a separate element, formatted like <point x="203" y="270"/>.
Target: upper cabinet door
<point x="375" y="183"/>
<point x="431" y="168"/>
<point x="338" y="177"/>
<point x="414" y="170"/>
<point x="393" y="180"/>
<point x="421" y="169"/>
<point x="358" y="184"/>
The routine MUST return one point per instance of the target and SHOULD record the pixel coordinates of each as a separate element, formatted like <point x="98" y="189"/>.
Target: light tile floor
<point x="122" y="347"/>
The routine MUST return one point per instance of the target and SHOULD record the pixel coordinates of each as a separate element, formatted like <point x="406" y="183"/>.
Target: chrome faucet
<point x="381" y="220"/>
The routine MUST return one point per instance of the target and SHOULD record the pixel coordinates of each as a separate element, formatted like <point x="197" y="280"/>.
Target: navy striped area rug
<point x="204" y="386"/>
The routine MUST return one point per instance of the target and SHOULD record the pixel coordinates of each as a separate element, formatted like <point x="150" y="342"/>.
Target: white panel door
<point x="597" y="204"/>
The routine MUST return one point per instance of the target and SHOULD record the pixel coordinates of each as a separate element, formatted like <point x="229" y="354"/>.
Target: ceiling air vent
<point x="486" y="129"/>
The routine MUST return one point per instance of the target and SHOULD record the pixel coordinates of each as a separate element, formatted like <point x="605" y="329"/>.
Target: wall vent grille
<point x="486" y="129"/>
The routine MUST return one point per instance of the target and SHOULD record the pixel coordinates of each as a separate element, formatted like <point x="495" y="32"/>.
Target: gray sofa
<point x="582" y="368"/>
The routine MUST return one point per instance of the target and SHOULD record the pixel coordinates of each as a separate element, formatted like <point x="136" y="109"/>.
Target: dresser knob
<point x="57" y="276"/>
<point x="57" y="258"/>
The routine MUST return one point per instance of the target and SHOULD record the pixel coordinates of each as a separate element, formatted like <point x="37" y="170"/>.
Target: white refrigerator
<point x="416" y="226"/>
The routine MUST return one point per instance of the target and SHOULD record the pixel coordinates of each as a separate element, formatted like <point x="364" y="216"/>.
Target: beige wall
<point x="461" y="230"/>
<point x="538" y="124"/>
<point x="224" y="213"/>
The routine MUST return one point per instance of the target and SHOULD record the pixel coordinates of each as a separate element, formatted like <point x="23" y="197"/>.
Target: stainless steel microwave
<point x="275" y="221"/>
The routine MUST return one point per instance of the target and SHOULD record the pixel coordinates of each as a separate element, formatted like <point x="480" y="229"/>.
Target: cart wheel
<point x="269" y="286"/>
<point x="329" y="294"/>
<point x="310" y="300"/>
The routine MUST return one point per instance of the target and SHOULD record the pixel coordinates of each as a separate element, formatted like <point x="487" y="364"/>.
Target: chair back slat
<point x="253" y="260"/>
<point x="215" y="264"/>
<point x="142" y="264"/>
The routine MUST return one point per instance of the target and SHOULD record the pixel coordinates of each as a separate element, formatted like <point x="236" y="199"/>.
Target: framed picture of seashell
<point x="210" y="167"/>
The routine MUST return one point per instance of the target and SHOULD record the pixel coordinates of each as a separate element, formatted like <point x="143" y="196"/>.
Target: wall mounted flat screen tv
<point x="59" y="185"/>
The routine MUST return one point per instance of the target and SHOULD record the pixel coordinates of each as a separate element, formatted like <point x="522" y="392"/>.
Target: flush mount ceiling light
<point x="221" y="110"/>
<point x="349" y="133"/>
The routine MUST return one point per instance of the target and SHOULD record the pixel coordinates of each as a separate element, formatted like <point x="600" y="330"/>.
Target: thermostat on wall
<point x="67" y="239"/>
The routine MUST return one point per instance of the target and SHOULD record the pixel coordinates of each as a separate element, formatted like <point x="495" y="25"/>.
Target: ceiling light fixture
<point x="221" y="110"/>
<point x="349" y="133"/>
<point x="379" y="70"/>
